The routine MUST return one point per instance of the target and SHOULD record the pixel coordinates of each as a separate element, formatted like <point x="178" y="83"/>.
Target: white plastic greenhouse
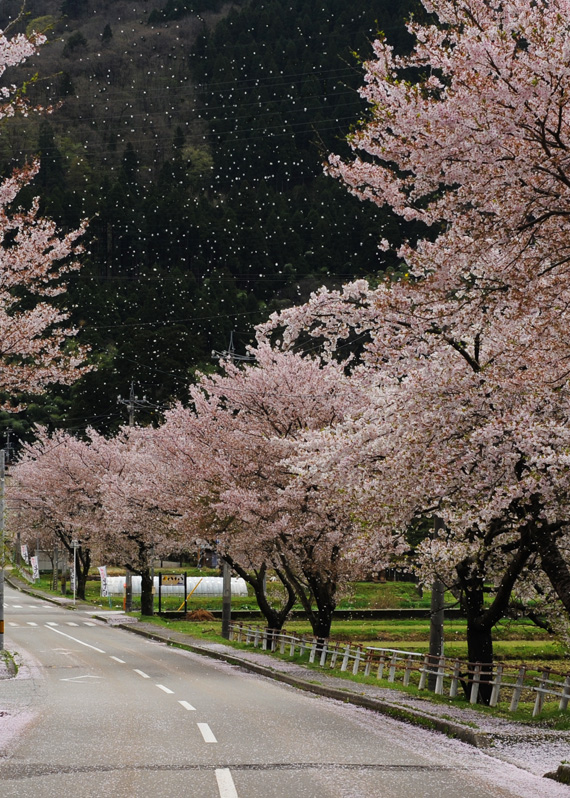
<point x="201" y="585"/>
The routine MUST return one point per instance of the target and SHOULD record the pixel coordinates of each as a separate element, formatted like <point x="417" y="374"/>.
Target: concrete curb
<point x="451" y="729"/>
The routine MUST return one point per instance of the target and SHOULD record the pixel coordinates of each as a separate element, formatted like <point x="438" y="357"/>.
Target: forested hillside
<point x="192" y="135"/>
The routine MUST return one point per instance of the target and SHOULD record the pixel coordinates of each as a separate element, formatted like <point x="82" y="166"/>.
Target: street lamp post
<point x="75" y="544"/>
<point x="226" y="600"/>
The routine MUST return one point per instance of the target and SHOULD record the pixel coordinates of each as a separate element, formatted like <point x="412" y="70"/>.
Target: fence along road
<point x="395" y="664"/>
<point x="108" y="712"/>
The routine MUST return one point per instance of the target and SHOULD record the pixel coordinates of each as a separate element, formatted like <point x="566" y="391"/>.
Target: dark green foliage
<point x="76" y="42"/>
<point x="74" y="9"/>
<point x="65" y="85"/>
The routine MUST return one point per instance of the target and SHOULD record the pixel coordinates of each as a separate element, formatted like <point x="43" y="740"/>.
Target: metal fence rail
<point x="495" y="681"/>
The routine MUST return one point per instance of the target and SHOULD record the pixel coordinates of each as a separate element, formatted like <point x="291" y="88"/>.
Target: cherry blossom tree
<point x="101" y="492"/>
<point x="138" y="525"/>
<point x="469" y="132"/>
<point x="466" y="355"/>
<point x="245" y="426"/>
<point x="55" y="491"/>
<point x="35" y="349"/>
<point x="191" y="484"/>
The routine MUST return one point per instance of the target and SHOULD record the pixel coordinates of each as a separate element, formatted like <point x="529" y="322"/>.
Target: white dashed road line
<point x="75" y="639"/>
<point x="226" y="784"/>
<point x="186" y="705"/>
<point x="207" y="733"/>
<point x="122" y="661"/>
<point x="165" y="689"/>
<point x="141" y="673"/>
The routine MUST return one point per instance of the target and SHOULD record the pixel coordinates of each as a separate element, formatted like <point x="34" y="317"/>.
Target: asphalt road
<point x="97" y="711"/>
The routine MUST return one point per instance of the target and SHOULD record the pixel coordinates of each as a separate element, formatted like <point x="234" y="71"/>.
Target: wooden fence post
<point x="356" y="665"/>
<point x="313" y="650"/>
<point x="475" y="684"/>
<point x="494" y="700"/>
<point x="334" y="655"/>
<point x="407" y="671"/>
<point x="381" y="664"/>
<point x="292" y="646"/>
<point x="540" y="692"/>
<point x="424" y="674"/>
<point x="392" y="671"/>
<point x="516" y="697"/>
<point x="565" y="694"/>
<point x="455" y="679"/>
<point x="439" y="678"/>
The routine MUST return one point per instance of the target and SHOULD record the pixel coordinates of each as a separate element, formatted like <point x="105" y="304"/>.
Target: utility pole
<point x="436" y="618"/>
<point x="55" y="575"/>
<point x="9" y="446"/>
<point x="130" y="404"/>
<point x="226" y="600"/>
<point x="133" y="403"/>
<point x="230" y="354"/>
<point x="2" y="563"/>
<point x="75" y="544"/>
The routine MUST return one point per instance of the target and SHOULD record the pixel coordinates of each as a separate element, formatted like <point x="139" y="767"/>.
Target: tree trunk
<point x="479" y="630"/>
<point x="321" y="589"/>
<point x="83" y="565"/>
<point x="481" y="620"/>
<point x="274" y="616"/>
<point x="480" y="651"/>
<point x="437" y="618"/>
<point x="324" y="592"/>
<point x="147" y="597"/>
<point x="554" y="566"/>
<point x="321" y="622"/>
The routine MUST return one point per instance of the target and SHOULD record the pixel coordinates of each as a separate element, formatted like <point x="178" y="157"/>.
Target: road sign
<point x="172" y="579"/>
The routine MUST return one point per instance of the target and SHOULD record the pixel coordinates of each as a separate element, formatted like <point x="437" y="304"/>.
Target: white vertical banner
<point x="35" y="568"/>
<point x="24" y="552"/>
<point x="103" y="575"/>
<point x="72" y="577"/>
